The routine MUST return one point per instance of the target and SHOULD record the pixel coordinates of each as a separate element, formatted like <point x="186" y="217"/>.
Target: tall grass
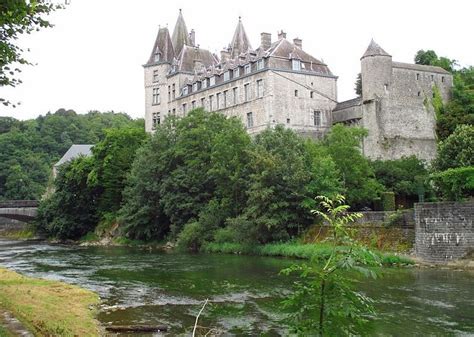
<point x="316" y="251"/>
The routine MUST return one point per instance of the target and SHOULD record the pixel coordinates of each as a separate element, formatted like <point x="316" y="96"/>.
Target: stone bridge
<point x="22" y="210"/>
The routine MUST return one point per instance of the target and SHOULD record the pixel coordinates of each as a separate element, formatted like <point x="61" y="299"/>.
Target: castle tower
<point x="240" y="42"/>
<point x="156" y="69"/>
<point x="376" y="70"/>
<point x="180" y="34"/>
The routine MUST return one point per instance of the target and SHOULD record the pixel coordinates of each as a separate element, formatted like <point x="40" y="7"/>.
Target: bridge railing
<point x="18" y="203"/>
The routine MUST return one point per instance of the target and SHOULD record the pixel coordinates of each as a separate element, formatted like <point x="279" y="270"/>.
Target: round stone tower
<point x="376" y="70"/>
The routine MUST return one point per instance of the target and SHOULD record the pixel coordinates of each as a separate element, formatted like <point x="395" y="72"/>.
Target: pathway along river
<point x="245" y="292"/>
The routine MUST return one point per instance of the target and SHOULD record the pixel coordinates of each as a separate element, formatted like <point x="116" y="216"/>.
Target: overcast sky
<point x="92" y="59"/>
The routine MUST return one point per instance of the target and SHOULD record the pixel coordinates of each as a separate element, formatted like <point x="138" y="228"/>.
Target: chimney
<point x="266" y="40"/>
<point x="298" y="42"/>
<point x="225" y="55"/>
<point x="192" y="37"/>
<point x="281" y="35"/>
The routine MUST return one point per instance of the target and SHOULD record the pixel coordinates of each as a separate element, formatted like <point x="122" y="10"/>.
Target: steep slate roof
<point x="75" y="151"/>
<point x="420" y="67"/>
<point x="189" y="54"/>
<point x="180" y="34"/>
<point x="374" y="50"/>
<point x="285" y="49"/>
<point x="240" y="42"/>
<point x="162" y="46"/>
<point x="347" y="104"/>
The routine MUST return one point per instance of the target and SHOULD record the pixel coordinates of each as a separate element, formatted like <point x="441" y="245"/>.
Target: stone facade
<point x="280" y="83"/>
<point x="396" y="106"/>
<point x="444" y="230"/>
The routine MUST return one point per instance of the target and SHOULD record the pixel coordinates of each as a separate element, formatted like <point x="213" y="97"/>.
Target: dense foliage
<point x="406" y="177"/>
<point x="460" y="109"/>
<point x="30" y="148"/>
<point x="453" y="175"/>
<point x="18" y="17"/>
<point x="88" y="189"/>
<point x="203" y="178"/>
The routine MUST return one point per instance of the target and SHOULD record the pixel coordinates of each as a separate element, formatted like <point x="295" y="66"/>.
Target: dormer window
<point x="236" y="72"/>
<point x="157" y="57"/>
<point x="212" y="81"/>
<point x="195" y="86"/>
<point x="204" y="83"/>
<point x="227" y="76"/>
<point x="260" y="64"/>
<point x="185" y="90"/>
<point x="296" y="65"/>
<point x="248" y="69"/>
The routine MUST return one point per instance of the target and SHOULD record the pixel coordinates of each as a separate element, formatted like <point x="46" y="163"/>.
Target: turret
<point x="240" y="42"/>
<point x="376" y="70"/>
<point x="181" y="36"/>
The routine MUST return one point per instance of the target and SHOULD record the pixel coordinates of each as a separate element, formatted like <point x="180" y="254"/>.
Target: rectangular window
<point x="195" y="87"/>
<point x="248" y="69"/>
<point x="193" y="105"/>
<point x="236" y="72"/>
<point x="432" y="77"/>
<point x="212" y="81"/>
<point x="174" y="91"/>
<point x="204" y="83"/>
<point x="184" y="108"/>
<point x="227" y="76"/>
<point x="287" y="121"/>
<point x="317" y="118"/>
<point x="246" y="92"/>
<point x="155" y="120"/>
<point x="203" y="102"/>
<point x="260" y="88"/>
<point x="296" y="65"/>
<point x="234" y="95"/>
<point x="296" y="93"/>
<point x="225" y="98"/>
<point x="260" y="64"/>
<point x="417" y="77"/>
<point x="219" y="101"/>
<point x="442" y="78"/>
<point x="169" y="93"/>
<point x="185" y="90"/>
<point x="249" y="120"/>
<point x="311" y="94"/>
<point x="210" y="102"/>
<point x="155" y="75"/>
<point x="174" y="111"/>
<point x="156" y="96"/>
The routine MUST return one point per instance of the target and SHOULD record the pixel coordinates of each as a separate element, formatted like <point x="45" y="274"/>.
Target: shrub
<point x="191" y="237"/>
<point x="455" y="183"/>
<point x="388" y="201"/>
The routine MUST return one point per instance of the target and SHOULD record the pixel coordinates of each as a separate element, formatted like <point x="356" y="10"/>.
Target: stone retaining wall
<point x="444" y="231"/>
<point x="10" y="225"/>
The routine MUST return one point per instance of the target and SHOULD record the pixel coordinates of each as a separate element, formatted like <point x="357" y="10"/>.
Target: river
<point x="138" y="286"/>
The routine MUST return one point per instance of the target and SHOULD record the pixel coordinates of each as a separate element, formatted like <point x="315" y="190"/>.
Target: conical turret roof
<point x="374" y="50"/>
<point x="180" y="34"/>
<point x="162" y="49"/>
<point x="240" y="42"/>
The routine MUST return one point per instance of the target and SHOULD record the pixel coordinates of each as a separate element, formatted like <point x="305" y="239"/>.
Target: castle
<point x="280" y="83"/>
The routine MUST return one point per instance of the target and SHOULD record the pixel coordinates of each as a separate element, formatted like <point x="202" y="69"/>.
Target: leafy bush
<point x="388" y="201"/>
<point x="455" y="183"/>
<point x="191" y="237"/>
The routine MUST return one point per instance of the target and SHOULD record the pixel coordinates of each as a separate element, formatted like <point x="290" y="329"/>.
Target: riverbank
<point x="49" y="308"/>
<point x="316" y="251"/>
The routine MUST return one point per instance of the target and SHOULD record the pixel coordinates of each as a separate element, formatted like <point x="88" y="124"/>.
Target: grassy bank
<point x="49" y="308"/>
<point x="318" y="251"/>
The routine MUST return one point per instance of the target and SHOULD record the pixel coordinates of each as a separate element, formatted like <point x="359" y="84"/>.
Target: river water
<point x="139" y="286"/>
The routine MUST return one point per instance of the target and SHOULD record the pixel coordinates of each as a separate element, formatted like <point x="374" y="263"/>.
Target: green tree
<point x="358" y="85"/>
<point x="406" y="177"/>
<point x="18" y="17"/>
<point x="457" y="150"/>
<point x="113" y="158"/>
<point x="343" y="145"/>
<point x="429" y="57"/>
<point x="278" y="180"/>
<point x="71" y="211"/>
<point x="324" y="302"/>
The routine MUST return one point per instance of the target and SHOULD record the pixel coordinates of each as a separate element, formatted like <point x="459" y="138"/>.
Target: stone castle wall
<point x="444" y="230"/>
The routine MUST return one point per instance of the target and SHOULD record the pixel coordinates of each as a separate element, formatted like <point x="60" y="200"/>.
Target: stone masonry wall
<point x="444" y="230"/>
